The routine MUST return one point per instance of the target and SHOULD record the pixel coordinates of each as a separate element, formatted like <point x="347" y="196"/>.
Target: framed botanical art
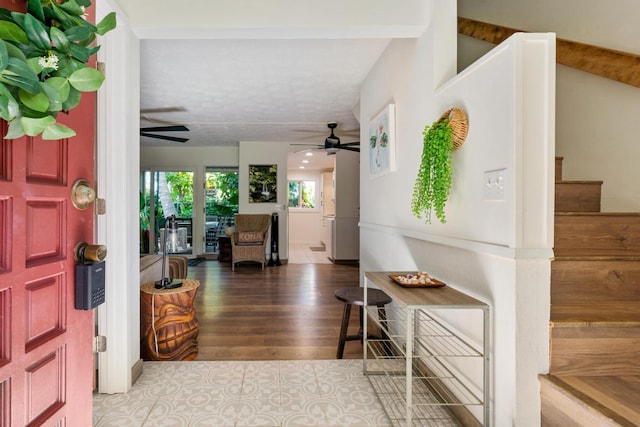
<point x="382" y="144"/>
<point x="263" y="183"/>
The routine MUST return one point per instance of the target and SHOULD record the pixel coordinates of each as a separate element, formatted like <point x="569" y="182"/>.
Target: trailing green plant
<point x="433" y="183"/>
<point x="43" y="64"/>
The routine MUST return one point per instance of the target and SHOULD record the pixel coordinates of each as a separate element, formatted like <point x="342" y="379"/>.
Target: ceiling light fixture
<point x="305" y="161"/>
<point x="309" y="153"/>
<point x="301" y="167"/>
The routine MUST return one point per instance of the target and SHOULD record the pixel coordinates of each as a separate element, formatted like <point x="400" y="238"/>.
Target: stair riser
<point x="577" y="197"/>
<point x="595" y="351"/>
<point x="559" y="168"/>
<point x="594" y="280"/>
<point x="607" y="232"/>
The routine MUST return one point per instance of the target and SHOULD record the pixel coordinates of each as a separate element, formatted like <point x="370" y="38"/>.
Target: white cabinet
<point x="414" y="367"/>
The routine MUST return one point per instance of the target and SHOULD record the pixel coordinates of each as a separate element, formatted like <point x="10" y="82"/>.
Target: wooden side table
<point x="168" y="323"/>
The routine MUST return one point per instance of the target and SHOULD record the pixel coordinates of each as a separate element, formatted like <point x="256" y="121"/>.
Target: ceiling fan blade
<point x="342" y="147"/>
<point x="349" y="143"/>
<point x="162" y="110"/>
<point x="176" y="128"/>
<point x="165" y="137"/>
<point x="310" y="145"/>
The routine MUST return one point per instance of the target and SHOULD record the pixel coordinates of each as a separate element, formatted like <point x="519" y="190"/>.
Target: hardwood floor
<point x="287" y="312"/>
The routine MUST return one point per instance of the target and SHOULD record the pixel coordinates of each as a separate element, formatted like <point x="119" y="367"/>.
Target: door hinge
<point x="101" y="206"/>
<point x="101" y="66"/>
<point x="99" y="344"/>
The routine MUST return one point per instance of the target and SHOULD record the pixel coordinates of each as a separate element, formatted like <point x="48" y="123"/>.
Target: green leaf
<point x="10" y="102"/>
<point x="72" y="100"/>
<point x="80" y="53"/>
<point x="86" y="79"/>
<point x="37" y="102"/>
<point x="15" y="130"/>
<point x="55" y="103"/>
<point x="5" y="14"/>
<point x="60" y="40"/>
<point x="53" y="12"/>
<point x="85" y="3"/>
<point x="107" y="24"/>
<point x="76" y="34"/>
<point x="34" y="64"/>
<point x="4" y="55"/>
<point x="58" y="132"/>
<point x="60" y="85"/>
<point x="33" y="127"/>
<point x="11" y="32"/>
<point x="4" y="108"/>
<point x="37" y="32"/>
<point x="34" y="7"/>
<point x="19" y="74"/>
<point x="72" y="7"/>
<point x="15" y="52"/>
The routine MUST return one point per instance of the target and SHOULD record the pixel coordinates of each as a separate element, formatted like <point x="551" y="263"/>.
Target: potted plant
<point x="43" y="64"/>
<point x="433" y="184"/>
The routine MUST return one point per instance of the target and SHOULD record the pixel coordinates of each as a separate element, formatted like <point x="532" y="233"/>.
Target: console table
<point x="168" y="323"/>
<point x="413" y="369"/>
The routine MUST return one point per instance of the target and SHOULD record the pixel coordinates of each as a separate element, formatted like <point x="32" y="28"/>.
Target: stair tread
<point x="616" y="397"/>
<point x="603" y="214"/>
<point x="597" y="254"/>
<point x="571" y="181"/>
<point x="596" y="313"/>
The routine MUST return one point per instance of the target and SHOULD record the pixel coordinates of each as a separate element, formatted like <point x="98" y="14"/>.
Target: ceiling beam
<point x="612" y="64"/>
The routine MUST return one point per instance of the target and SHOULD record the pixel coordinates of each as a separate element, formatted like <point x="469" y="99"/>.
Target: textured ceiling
<point x="281" y="91"/>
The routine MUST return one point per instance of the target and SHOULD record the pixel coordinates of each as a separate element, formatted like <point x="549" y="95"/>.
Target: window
<point x="302" y="194"/>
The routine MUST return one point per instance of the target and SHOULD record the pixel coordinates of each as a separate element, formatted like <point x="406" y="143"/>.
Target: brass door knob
<point x="82" y="195"/>
<point x="84" y="252"/>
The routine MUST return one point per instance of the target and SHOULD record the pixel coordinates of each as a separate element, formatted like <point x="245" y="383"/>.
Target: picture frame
<point x="263" y="183"/>
<point x="382" y="142"/>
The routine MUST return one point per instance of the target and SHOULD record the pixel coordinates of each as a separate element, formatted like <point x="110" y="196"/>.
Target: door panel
<point x="46" y="358"/>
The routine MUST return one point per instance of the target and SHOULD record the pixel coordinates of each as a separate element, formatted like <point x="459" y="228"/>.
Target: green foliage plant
<point x="43" y="64"/>
<point x="433" y="183"/>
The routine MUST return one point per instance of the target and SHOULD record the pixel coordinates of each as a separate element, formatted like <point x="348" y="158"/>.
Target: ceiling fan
<point x="332" y="143"/>
<point x="151" y="132"/>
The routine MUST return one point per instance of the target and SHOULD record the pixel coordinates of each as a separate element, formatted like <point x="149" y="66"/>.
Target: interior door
<point x="46" y="360"/>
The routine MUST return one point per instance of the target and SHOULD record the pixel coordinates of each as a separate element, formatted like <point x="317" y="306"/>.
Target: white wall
<point x="497" y="251"/>
<point x="305" y="225"/>
<point x="596" y="119"/>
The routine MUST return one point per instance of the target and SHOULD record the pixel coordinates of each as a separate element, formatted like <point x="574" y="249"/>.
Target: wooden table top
<point x="444" y="296"/>
<point x="187" y="285"/>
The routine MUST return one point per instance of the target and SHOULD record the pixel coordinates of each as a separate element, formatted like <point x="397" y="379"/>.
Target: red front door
<point x="46" y="361"/>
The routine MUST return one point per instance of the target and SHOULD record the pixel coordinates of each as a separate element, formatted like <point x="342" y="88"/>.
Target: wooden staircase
<point x="594" y="374"/>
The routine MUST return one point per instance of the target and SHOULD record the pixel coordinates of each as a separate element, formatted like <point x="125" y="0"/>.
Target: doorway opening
<point x="221" y="204"/>
<point x="162" y="194"/>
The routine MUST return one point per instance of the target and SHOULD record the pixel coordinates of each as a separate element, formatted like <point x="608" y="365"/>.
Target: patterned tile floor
<point x="242" y="394"/>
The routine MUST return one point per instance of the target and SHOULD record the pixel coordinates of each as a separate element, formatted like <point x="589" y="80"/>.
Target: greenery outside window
<point x="302" y="195"/>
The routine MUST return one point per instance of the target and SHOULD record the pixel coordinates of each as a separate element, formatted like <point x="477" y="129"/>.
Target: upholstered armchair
<point x="249" y="241"/>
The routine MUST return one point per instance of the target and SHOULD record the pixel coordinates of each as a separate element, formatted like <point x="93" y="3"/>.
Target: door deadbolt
<point x="82" y="195"/>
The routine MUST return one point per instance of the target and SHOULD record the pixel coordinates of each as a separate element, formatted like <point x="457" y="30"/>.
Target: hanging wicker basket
<point x="459" y="125"/>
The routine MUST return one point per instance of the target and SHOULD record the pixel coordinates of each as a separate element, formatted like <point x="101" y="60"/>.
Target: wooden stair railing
<point x="623" y="67"/>
<point x="595" y="313"/>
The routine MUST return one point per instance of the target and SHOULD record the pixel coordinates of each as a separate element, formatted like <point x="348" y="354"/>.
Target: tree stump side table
<point x="168" y="323"/>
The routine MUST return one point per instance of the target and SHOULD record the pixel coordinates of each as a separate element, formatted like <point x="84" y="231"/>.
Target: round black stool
<point x="355" y="296"/>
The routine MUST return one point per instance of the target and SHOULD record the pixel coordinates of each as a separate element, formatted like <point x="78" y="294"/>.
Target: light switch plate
<point x="493" y="184"/>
